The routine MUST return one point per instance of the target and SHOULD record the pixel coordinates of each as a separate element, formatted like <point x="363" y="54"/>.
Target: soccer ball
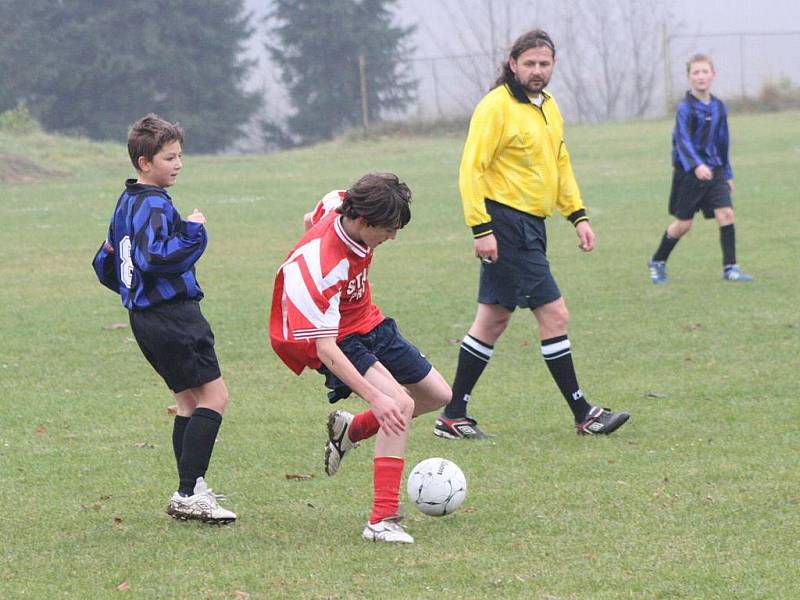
<point x="437" y="486"/>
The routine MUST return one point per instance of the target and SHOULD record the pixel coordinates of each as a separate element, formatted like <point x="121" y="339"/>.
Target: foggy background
<point x="455" y="59"/>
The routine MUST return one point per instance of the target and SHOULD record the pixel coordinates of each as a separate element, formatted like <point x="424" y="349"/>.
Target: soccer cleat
<point x="458" y="428"/>
<point x="601" y="421"/>
<point x="388" y="530"/>
<point x="734" y="273"/>
<point x="658" y="270"/>
<point x="202" y="505"/>
<point x="339" y="443"/>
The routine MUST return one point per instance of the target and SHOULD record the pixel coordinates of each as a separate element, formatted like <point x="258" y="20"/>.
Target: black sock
<point x="665" y="247"/>
<point x="178" y="429"/>
<point x="558" y="358"/>
<point x="472" y="360"/>
<point x="727" y="239"/>
<point x="198" y="443"/>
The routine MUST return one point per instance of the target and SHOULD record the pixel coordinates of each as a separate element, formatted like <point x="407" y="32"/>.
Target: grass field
<point x="696" y="497"/>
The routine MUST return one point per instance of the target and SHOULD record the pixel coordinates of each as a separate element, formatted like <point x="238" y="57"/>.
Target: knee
<point x="497" y="325"/>
<point x="725" y="216"/>
<point x="559" y="319"/>
<point x="679" y="228"/>
<point x="406" y="405"/>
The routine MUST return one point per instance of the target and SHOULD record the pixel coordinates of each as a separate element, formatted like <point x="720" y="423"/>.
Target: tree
<point x="317" y="46"/>
<point x="92" y="67"/>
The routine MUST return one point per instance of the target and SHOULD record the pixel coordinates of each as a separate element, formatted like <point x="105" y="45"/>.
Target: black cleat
<point x="601" y="421"/>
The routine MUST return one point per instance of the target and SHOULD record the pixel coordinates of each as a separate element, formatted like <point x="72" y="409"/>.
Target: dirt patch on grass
<point x="18" y="169"/>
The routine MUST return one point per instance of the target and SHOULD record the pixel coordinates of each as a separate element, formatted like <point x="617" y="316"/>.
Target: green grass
<point x="697" y="497"/>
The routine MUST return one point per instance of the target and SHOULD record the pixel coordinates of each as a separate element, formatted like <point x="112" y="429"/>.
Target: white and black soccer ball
<point x="437" y="487"/>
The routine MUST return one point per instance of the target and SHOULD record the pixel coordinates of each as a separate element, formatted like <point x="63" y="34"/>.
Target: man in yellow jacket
<point x="515" y="170"/>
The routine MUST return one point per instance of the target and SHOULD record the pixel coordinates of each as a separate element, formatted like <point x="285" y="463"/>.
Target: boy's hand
<point x="703" y="173"/>
<point x="197" y="217"/>
<point x="388" y="414"/>
<point x="108" y="247"/>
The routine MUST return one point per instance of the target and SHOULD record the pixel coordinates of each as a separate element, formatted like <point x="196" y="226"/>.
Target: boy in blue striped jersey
<point x="702" y="178"/>
<point x="148" y="258"/>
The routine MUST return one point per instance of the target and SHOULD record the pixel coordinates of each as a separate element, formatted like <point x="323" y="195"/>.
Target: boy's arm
<point x="724" y="144"/>
<point x="384" y="408"/>
<point x="105" y="266"/>
<point x="160" y="250"/>
<point x="688" y="155"/>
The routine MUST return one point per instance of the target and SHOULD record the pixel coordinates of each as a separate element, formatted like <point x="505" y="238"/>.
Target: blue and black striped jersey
<point x="701" y="135"/>
<point x="153" y="249"/>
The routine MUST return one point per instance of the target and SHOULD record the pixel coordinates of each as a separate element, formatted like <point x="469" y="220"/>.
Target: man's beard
<point x="533" y="88"/>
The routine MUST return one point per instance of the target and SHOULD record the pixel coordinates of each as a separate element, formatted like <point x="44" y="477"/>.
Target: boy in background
<point x="702" y="178"/>
<point x="323" y="317"/>
<point x="148" y="258"/>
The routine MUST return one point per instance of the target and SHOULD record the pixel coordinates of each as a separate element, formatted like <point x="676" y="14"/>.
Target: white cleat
<point x="339" y="443"/>
<point x="388" y="530"/>
<point x="200" y="506"/>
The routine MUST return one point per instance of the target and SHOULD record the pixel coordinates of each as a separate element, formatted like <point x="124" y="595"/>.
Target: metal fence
<point x="450" y="86"/>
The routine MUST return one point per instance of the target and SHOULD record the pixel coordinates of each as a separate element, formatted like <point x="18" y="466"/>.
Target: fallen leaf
<point x="654" y="395"/>
<point x="469" y="509"/>
<point x="709" y="499"/>
<point x="453" y="342"/>
<point x="95" y="506"/>
<point x="117" y="520"/>
<point x="242" y="595"/>
<point x="309" y="505"/>
<point x="40" y="430"/>
<point x="299" y="476"/>
<point x="172" y="410"/>
<point x="124" y="586"/>
<point x="145" y="445"/>
<point x="694" y="326"/>
<point x="114" y="326"/>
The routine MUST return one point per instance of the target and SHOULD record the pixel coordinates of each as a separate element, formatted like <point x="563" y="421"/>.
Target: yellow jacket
<point x="515" y="155"/>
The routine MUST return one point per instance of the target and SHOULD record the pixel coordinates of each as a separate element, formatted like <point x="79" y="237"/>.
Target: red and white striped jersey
<point x="321" y="290"/>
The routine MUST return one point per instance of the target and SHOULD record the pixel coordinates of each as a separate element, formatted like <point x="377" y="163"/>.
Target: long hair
<point x="380" y="198"/>
<point x="536" y="38"/>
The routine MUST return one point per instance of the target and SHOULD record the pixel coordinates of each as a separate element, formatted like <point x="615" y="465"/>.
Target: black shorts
<point x="521" y="276"/>
<point x="689" y="194"/>
<point x="176" y="339"/>
<point x="383" y="344"/>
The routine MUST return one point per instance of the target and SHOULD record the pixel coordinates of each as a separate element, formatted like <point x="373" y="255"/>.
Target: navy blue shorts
<point x="521" y="276"/>
<point x="690" y="195"/>
<point x="383" y="344"/>
<point x="177" y="341"/>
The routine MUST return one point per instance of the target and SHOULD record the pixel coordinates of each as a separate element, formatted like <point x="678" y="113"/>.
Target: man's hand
<point x="703" y="173"/>
<point x="108" y="247"/>
<point x="586" y="237"/>
<point x="486" y="248"/>
<point x="197" y="217"/>
<point x="730" y="184"/>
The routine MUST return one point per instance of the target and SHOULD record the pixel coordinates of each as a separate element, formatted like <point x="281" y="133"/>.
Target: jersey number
<point x="125" y="263"/>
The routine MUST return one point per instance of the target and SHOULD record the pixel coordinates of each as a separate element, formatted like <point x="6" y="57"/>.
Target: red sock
<point x="388" y="470"/>
<point x="363" y="426"/>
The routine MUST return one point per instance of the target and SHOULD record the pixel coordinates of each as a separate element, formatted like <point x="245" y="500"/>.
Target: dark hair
<point x="536" y="38"/>
<point x="381" y="199"/>
<point x="150" y="134"/>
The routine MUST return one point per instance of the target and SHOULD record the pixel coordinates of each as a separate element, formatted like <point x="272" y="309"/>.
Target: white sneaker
<point x="388" y="530"/>
<point x="200" y="506"/>
<point x="339" y="443"/>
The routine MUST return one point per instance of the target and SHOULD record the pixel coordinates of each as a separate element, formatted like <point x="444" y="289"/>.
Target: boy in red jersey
<point x="323" y="317"/>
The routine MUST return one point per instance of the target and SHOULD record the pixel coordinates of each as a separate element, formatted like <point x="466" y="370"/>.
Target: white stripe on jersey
<point x="294" y="288"/>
